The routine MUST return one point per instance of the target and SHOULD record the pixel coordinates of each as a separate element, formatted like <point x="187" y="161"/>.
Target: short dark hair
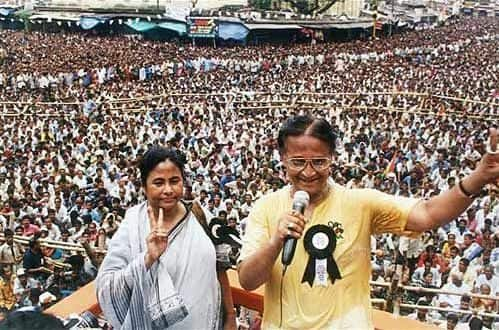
<point x="33" y="242"/>
<point x="452" y="317"/>
<point x="156" y="155"/>
<point x="31" y="320"/>
<point x="306" y="125"/>
<point x="8" y="232"/>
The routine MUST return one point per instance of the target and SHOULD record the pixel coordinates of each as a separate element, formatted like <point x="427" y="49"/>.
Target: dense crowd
<point x="69" y="173"/>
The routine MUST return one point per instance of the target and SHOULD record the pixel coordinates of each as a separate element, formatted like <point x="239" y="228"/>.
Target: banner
<point x="201" y="27"/>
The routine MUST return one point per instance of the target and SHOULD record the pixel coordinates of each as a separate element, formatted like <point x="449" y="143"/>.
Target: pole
<point x="375" y="18"/>
<point x="391" y="19"/>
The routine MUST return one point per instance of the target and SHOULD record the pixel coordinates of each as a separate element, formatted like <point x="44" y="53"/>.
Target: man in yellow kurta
<point x="313" y="298"/>
<point x="7" y="297"/>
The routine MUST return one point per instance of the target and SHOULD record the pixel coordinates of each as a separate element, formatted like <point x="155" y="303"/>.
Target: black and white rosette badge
<point x="320" y="242"/>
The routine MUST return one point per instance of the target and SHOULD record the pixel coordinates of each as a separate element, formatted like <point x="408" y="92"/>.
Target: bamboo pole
<point x="439" y="291"/>
<point x="451" y="310"/>
<point x="379" y="301"/>
<point x="68" y="246"/>
<point x="243" y="93"/>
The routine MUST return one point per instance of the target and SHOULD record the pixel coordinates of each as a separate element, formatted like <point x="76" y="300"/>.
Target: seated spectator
<point x="377" y="291"/>
<point x="110" y="225"/>
<point x="460" y="232"/>
<point x="380" y="263"/>
<point x="22" y="285"/>
<point x="435" y="259"/>
<point x="468" y="273"/>
<point x="421" y="276"/>
<point x="484" y="304"/>
<point x="76" y="231"/>
<point x="456" y="285"/>
<point x="488" y="277"/>
<point x="450" y="322"/>
<point x="421" y="313"/>
<point x="465" y="305"/>
<point x="451" y="242"/>
<point x="454" y="257"/>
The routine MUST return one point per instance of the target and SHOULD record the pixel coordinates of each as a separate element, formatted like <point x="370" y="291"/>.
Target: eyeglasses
<point x="318" y="164"/>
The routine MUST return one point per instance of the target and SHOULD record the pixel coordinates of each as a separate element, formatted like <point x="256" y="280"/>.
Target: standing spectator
<point x="11" y="252"/>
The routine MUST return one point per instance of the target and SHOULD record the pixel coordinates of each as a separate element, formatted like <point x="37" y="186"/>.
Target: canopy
<point x="232" y="30"/>
<point x="141" y="26"/>
<point x="180" y="28"/>
<point x="88" y="23"/>
<point x="6" y="11"/>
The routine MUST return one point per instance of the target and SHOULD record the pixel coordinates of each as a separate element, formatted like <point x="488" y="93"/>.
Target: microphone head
<point x="301" y="197"/>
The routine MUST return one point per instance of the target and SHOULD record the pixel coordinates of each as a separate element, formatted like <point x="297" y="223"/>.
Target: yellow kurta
<point x="346" y="304"/>
<point x="7" y="297"/>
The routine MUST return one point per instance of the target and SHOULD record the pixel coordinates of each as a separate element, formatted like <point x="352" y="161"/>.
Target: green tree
<point x="262" y="4"/>
<point x="307" y="7"/>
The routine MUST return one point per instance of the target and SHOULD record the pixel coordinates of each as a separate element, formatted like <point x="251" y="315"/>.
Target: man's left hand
<point x="488" y="168"/>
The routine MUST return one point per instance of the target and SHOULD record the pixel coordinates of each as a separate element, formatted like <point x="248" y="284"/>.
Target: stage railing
<point x="251" y="299"/>
<point x="85" y="300"/>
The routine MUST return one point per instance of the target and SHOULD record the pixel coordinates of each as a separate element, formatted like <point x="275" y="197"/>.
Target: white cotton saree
<point x="179" y="291"/>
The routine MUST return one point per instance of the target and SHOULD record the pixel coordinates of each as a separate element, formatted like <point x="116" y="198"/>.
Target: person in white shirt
<point x="417" y="276"/>
<point x="456" y="285"/>
<point x="54" y="233"/>
<point x="23" y="283"/>
<point x="76" y="231"/>
<point x="488" y="277"/>
<point x="80" y="180"/>
<point x="62" y="214"/>
<point x="463" y="268"/>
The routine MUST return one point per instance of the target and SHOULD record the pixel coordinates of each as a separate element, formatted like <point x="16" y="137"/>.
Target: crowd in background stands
<point x="70" y="176"/>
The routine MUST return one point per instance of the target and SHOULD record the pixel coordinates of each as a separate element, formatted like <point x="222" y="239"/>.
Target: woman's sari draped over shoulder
<point x="179" y="291"/>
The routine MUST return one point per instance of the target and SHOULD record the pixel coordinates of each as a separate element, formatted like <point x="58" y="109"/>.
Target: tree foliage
<point x="307" y="7"/>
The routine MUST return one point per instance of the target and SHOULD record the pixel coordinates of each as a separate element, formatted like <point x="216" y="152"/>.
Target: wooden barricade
<point x="85" y="300"/>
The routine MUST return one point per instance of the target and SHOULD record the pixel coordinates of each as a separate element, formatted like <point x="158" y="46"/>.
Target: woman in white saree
<point x="161" y="269"/>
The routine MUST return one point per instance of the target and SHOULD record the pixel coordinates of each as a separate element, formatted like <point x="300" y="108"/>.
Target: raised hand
<point x="488" y="168"/>
<point x="157" y="241"/>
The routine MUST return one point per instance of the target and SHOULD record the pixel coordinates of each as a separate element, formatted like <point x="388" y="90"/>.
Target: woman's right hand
<point x="290" y="224"/>
<point x="157" y="241"/>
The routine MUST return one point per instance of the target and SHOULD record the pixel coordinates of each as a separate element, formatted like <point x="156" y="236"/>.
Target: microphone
<point x="300" y="203"/>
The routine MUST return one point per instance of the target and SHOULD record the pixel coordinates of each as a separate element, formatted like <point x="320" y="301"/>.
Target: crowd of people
<point x="79" y="111"/>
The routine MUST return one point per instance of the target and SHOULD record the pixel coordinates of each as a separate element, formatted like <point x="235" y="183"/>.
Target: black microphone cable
<point x="280" y="295"/>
